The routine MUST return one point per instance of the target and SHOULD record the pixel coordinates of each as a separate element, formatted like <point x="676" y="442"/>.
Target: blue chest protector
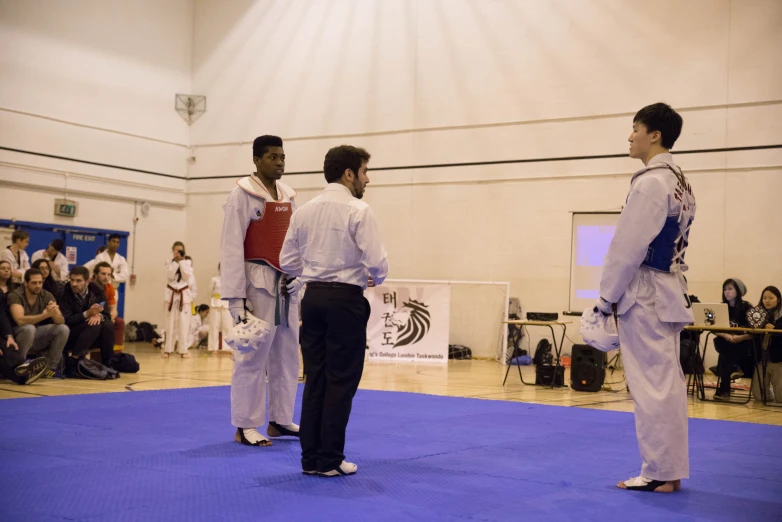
<point x="669" y="245"/>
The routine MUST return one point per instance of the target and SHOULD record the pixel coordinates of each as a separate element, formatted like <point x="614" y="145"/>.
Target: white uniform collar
<point x="255" y="188"/>
<point x="663" y="160"/>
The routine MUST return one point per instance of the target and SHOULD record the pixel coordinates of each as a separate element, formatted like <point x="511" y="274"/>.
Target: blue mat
<point x="169" y="456"/>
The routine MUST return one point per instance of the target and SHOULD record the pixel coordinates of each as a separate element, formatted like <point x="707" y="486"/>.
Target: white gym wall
<point x="418" y="82"/>
<point x="95" y="80"/>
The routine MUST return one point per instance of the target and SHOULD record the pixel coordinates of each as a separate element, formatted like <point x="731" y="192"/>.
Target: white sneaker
<point x="344" y="469"/>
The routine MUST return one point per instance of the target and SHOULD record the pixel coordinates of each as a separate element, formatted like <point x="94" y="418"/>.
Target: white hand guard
<point x="599" y="330"/>
<point x="293" y="287"/>
<point x="249" y="334"/>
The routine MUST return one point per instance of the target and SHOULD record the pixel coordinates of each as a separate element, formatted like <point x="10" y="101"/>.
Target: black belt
<point x="334" y="286"/>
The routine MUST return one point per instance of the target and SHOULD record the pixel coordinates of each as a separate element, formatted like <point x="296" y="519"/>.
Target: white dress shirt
<point x="335" y="238"/>
<point x="59" y="260"/>
<point x="118" y="264"/>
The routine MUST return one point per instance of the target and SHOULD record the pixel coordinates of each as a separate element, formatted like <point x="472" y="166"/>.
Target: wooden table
<point x="557" y="348"/>
<point x="759" y="354"/>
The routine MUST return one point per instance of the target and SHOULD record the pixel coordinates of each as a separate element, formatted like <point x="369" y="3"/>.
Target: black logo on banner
<point x="412" y="322"/>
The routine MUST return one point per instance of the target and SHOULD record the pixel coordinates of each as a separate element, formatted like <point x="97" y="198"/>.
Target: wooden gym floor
<point x="476" y="379"/>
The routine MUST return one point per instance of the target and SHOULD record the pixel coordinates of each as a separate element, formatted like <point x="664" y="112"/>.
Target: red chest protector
<point x="264" y="237"/>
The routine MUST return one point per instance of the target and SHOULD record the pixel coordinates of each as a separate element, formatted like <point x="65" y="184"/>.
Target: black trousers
<point x="732" y="355"/>
<point x="8" y="361"/>
<point x="333" y="342"/>
<point x="84" y="337"/>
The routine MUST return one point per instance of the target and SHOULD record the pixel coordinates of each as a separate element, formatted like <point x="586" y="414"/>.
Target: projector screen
<point x="592" y="234"/>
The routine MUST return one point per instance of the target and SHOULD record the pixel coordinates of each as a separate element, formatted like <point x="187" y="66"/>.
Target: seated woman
<point x="771" y="300"/>
<point x="733" y="349"/>
<point x="6" y="282"/>
<point x="50" y="284"/>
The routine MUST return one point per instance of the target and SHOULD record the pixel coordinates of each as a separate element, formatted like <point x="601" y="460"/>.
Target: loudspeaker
<point x="587" y="368"/>
<point x="544" y="374"/>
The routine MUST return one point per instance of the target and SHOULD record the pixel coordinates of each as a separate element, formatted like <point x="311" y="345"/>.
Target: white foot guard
<point x="644" y="484"/>
<point x="282" y="430"/>
<point x="344" y="469"/>
<point x="251" y="437"/>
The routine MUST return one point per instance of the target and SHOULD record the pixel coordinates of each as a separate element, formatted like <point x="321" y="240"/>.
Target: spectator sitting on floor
<point x="90" y="265"/>
<point x="83" y="306"/>
<point x="57" y="261"/>
<point x="7" y="284"/>
<point x="12" y="365"/>
<point x="101" y="275"/>
<point x="49" y="283"/>
<point x="16" y="255"/>
<point x="40" y="326"/>
<point x="199" y="329"/>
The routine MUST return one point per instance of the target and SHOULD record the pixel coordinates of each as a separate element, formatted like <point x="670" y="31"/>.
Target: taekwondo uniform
<point x="20" y="262"/>
<point x="119" y="266"/>
<point x="643" y="276"/>
<point x="219" y="316"/>
<point x="178" y="298"/>
<point x="253" y="233"/>
<point x="59" y="260"/>
<point x="197" y="330"/>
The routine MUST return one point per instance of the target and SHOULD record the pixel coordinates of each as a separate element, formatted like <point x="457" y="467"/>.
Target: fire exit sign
<point x="65" y="207"/>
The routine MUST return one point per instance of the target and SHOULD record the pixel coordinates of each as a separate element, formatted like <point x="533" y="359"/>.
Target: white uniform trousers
<point x="650" y="353"/>
<point x="177" y="326"/>
<point x="219" y="322"/>
<point x="279" y="355"/>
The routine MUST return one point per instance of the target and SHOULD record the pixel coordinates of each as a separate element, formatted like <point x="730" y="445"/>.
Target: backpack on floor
<point x="124" y="363"/>
<point x="543" y="355"/>
<point x="145" y="333"/>
<point x="93" y="370"/>
<point x="131" y="332"/>
<point x="457" y="351"/>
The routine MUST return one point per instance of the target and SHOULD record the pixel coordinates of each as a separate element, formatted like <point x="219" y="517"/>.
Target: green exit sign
<point x="65" y="207"/>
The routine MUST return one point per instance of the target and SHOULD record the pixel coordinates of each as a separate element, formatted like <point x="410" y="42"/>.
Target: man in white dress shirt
<point x="257" y="214"/>
<point x="57" y="261"/>
<point x="118" y="263"/>
<point x="333" y="244"/>
<point x="643" y="283"/>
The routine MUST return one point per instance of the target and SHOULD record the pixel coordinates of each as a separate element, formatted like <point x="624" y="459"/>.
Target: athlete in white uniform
<point x="198" y="330"/>
<point x="177" y="299"/>
<point x="257" y="214"/>
<point x="220" y="321"/>
<point x="643" y="283"/>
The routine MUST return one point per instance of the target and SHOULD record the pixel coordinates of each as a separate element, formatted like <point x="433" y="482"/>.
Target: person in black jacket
<point x="734" y="349"/>
<point x="771" y="300"/>
<point x="83" y="305"/>
<point x="12" y="364"/>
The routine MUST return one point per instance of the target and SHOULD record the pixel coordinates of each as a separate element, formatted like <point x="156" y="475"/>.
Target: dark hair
<point x="30" y="273"/>
<point x="661" y="117"/>
<point x="37" y="265"/>
<point x="202" y="308"/>
<point x="262" y="143"/>
<point x="115" y="236"/>
<point x="178" y="243"/>
<point x="80" y="271"/>
<point x="339" y="159"/>
<point x="774" y="290"/>
<point x="102" y="264"/>
<point x="100" y="250"/>
<point x="19" y="235"/>
<point x="739" y="295"/>
<point x="57" y="244"/>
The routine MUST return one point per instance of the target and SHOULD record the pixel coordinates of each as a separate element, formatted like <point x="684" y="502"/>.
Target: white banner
<point x="409" y="322"/>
